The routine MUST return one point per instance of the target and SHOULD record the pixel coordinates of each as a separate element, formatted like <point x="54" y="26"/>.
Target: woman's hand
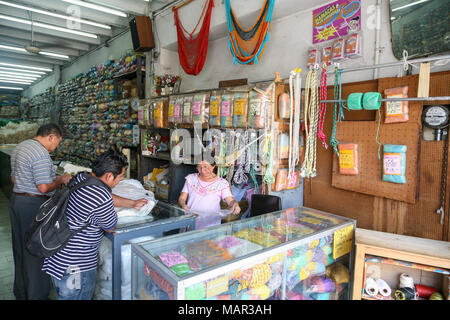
<point x="235" y="207"/>
<point x="185" y="207"/>
<point x="138" y="204"/>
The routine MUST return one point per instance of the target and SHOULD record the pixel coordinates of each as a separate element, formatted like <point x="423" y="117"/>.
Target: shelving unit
<point x="386" y="255"/>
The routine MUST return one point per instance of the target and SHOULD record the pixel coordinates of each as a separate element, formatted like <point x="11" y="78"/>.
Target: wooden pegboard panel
<point x="369" y="181"/>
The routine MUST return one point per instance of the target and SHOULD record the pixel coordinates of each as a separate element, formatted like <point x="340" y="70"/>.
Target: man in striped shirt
<point x="73" y="269"/>
<point x="34" y="179"/>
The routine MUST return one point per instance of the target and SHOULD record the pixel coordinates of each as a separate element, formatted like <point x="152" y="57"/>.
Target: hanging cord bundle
<point x="268" y="176"/>
<point x="244" y="160"/>
<point x="323" y="106"/>
<point x="248" y="45"/>
<point x="338" y="114"/>
<point x="308" y="169"/>
<point x="192" y="51"/>
<point x="295" y="88"/>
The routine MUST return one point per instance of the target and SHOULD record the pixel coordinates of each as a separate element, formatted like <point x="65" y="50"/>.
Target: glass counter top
<point x="160" y="212"/>
<point x="199" y="250"/>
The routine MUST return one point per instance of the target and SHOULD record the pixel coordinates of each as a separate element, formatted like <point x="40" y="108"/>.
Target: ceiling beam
<point x="60" y="42"/>
<point x="37" y="17"/>
<point x="30" y="57"/>
<point x="85" y="13"/>
<point x="5" y="40"/>
<point x="54" y="33"/>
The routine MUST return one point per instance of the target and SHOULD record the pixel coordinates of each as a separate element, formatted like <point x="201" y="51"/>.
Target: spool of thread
<point x="425" y="291"/>
<point x="406" y="281"/>
<point x="383" y="288"/>
<point x="371" y="287"/>
<point x="405" y="293"/>
<point x="436" y="296"/>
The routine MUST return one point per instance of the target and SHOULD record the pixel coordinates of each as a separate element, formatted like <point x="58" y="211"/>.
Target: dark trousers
<point x="30" y="282"/>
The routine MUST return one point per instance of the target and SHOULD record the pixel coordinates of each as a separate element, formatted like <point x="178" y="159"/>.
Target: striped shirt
<point x="92" y="205"/>
<point x="31" y="166"/>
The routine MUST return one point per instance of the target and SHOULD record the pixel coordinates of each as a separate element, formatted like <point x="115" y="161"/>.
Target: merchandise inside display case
<point x="295" y="254"/>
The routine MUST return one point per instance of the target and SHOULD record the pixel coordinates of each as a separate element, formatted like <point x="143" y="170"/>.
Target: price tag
<point x="394" y="108"/>
<point x="346" y="159"/>
<point x="392" y="163"/>
<point x="342" y="242"/>
<point x="216" y="286"/>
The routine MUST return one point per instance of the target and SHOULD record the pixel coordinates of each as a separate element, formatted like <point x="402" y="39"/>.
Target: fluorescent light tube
<point x="14" y="81"/>
<point x="24" y="66"/>
<point x="56" y="55"/>
<point x="9" y="76"/>
<point x="97" y="7"/>
<point x="22" y="70"/>
<point x="30" y="75"/>
<point x="61" y="16"/>
<point x="49" y="26"/>
<point x="11" y="88"/>
<point x="409" y="5"/>
<point x="12" y="48"/>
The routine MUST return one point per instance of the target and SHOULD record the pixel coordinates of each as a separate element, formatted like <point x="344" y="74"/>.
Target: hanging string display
<point x="337" y="114"/>
<point x="247" y="46"/>
<point x="294" y="122"/>
<point x="244" y="160"/>
<point x="323" y="106"/>
<point x="308" y="169"/>
<point x="192" y="51"/>
<point x="268" y="176"/>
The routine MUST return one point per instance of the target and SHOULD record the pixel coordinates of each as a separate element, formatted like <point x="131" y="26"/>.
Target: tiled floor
<point x="6" y="255"/>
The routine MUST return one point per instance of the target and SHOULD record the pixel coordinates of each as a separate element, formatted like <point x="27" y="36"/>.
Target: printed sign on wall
<point x="336" y="19"/>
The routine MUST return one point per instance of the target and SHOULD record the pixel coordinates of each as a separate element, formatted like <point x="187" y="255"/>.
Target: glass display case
<point x="298" y="253"/>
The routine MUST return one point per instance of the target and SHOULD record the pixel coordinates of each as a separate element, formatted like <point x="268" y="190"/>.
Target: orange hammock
<point x="192" y="52"/>
<point x="247" y="45"/>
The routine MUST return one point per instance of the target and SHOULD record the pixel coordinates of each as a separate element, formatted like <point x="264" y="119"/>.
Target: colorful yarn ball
<point x="436" y="296"/>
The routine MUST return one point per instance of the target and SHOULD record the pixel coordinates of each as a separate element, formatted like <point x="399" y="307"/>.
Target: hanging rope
<point x="308" y="169"/>
<point x="244" y="161"/>
<point x="323" y="106"/>
<point x="247" y="46"/>
<point x="268" y="176"/>
<point x="337" y="113"/>
<point x="192" y="51"/>
<point x="294" y="122"/>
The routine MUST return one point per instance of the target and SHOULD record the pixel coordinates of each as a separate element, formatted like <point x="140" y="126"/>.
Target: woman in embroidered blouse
<point x="203" y="191"/>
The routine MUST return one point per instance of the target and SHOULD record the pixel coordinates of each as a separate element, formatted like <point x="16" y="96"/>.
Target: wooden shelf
<point x="159" y="155"/>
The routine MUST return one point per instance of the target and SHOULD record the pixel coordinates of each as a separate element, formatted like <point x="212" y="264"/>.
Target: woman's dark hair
<point x="109" y="161"/>
<point x="48" y="129"/>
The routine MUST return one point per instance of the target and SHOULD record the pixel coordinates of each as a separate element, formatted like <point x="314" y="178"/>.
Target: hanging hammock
<point x="192" y="52"/>
<point x="248" y="45"/>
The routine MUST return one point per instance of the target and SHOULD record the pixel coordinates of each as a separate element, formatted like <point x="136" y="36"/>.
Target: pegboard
<point x="369" y="181"/>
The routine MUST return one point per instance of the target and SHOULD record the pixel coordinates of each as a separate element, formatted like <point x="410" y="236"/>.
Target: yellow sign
<point x="216" y="286"/>
<point x="171" y="109"/>
<point x="343" y="241"/>
<point x="214" y="108"/>
<point x="326" y="33"/>
<point x="239" y="106"/>
<point x="346" y="160"/>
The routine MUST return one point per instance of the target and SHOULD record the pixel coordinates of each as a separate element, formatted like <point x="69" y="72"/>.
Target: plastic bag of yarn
<point x="195" y="292"/>
<point x="240" y="101"/>
<point x="171" y="110"/>
<point x="178" y="110"/>
<point x="353" y="45"/>
<point x="394" y="163"/>
<point x="319" y="284"/>
<point x="348" y="158"/>
<point x="226" y="110"/>
<point x="261" y="292"/>
<point x="152" y="292"/>
<point x="200" y="108"/>
<point x="339" y="273"/>
<point x="187" y="109"/>
<point x="292" y="278"/>
<point x="214" y="109"/>
<point x="256" y="110"/>
<point x="396" y="111"/>
<point x="158" y="113"/>
<point x="338" y="49"/>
